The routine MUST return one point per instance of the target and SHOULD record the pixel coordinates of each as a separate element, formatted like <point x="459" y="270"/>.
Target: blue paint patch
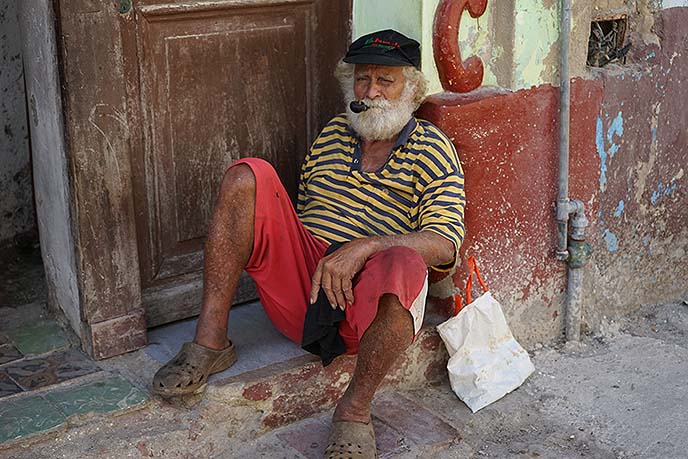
<point x="662" y="190"/>
<point x="650" y="56"/>
<point x="611" y="240"/>
<point x="655" y="197"/>
<point x="654" y="134"/>
<point x="599" y="141"/>
<point x="646" y="240"/>
<point x="615" y="130"/>
<point x="619" y="209"/>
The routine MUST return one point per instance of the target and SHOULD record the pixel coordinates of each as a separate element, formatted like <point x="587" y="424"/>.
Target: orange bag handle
<point x="472" y="268"/>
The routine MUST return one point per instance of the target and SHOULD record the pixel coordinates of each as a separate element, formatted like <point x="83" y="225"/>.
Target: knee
<point x="399" y="265"/>
<point x="402" y="256"/>
<point x="238" y="181"/>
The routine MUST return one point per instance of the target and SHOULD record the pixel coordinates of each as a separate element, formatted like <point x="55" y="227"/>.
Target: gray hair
<point x="415" y="83"/>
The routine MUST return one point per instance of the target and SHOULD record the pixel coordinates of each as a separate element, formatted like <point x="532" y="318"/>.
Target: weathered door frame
<point x="82" y="149"/>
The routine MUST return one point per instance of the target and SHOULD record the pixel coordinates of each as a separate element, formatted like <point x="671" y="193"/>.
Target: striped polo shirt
<point x="420" y="187"/>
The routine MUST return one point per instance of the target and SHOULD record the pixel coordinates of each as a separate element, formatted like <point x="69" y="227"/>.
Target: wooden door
<point x="212" y="81"/>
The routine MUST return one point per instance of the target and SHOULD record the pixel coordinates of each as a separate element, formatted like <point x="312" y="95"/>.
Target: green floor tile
<point x="111" y="394"/>
<point x="37" y="339"/>
<point x="22" y="417"/>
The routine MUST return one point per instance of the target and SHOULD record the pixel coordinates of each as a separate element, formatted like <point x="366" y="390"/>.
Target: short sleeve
<point x="442" y="199"/>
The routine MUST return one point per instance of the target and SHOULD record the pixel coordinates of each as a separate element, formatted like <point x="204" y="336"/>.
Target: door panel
<point x="218" y="81"/>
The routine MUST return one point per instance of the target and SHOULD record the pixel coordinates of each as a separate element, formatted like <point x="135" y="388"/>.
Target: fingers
<point x="348" y="290"/>
<point x="336" y="291"/>
<point x="334" y="275"/>
<point x="329" y="290"/>
<point x="315" y="283"/>
<point x="339" y="294"/>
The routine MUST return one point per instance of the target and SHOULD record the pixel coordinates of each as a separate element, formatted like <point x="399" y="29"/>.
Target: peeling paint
<point x="663" y="190"/>
<point x="599" y="142"/>
<point x="615" y="130"/>
<point x="538" y="31"/>
<point x="666" y="4"/>
<point x="646" y="240"/>
<point x="610" y="240"/>
<point x="619" y="209"/>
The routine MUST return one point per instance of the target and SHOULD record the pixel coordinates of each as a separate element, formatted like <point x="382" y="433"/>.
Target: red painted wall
<point x="508" y="145"/>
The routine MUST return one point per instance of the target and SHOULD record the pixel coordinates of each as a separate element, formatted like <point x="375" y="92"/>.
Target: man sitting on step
<point x="381" y="188"/>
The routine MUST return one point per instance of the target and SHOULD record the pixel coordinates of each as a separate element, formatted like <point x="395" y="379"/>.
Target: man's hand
<point x="335" y="272"/>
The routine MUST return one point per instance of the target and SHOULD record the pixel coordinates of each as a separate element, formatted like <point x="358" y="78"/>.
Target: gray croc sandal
<point x="351" y="440"/>
<point x="188" y="371"/>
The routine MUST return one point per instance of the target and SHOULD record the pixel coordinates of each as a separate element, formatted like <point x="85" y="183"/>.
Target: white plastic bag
<point x="486" y="362"/>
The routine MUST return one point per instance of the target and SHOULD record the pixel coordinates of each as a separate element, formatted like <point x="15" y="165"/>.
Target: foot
<point x="351" y="439"/>
<point x="188" y="371"/>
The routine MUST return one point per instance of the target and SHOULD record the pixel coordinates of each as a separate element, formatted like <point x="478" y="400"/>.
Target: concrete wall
<point x="16" y="202"/>
<point x="641" y="142"/>
<point x="629" y="155"/>
<point x="50" y="161"/>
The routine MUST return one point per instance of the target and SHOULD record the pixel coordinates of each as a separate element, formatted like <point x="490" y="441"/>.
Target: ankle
<point x="216" y="344"/>
<point x="351" y="410"/>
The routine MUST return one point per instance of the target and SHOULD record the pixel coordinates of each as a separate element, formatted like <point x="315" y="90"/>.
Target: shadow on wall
<point x="17" y="213"/>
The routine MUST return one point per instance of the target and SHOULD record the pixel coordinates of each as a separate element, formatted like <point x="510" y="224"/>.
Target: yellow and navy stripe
<point x="420" y="187"/>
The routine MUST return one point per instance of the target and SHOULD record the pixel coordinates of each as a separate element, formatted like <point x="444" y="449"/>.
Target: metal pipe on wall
<point x="564" y="127"/>
<point x="577" y="252"/>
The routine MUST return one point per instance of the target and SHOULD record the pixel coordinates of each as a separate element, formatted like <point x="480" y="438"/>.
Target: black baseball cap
<point x="386" y="47"/>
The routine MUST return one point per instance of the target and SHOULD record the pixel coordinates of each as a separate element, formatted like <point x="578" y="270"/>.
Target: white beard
<point x="384" y="119"/>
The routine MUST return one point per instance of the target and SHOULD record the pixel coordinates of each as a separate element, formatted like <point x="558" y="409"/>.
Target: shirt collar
<point x="405" y="133"/>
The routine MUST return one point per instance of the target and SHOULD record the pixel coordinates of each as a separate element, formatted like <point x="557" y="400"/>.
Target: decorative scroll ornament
<point x="455" y="75"/>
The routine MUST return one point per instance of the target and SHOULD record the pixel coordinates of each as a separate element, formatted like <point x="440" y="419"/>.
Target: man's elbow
<point x="449" y="251"/>
<point x="445" y="252"/>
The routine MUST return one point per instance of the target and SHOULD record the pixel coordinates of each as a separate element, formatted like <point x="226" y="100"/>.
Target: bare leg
<point x="227" y="250"/>
<point x="390" y="333"/>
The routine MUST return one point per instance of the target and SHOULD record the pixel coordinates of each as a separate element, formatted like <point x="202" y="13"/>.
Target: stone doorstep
<point x="275" y="396"/>
<point x="298" y="388"/>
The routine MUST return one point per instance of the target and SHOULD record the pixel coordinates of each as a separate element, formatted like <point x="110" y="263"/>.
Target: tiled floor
<point x="54" y="368"/>
<point x="30" y="414"/>
<point x="111" y="394"/>
<point x="44" y="379"/>
<point x="400" y="423"/>
<point x="36" y="339"/>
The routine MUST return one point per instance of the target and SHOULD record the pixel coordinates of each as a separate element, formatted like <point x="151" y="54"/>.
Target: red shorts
<point x="285" y="255"/>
